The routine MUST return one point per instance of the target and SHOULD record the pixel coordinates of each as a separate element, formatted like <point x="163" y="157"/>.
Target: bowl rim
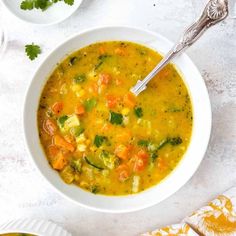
<point x="177" y="186"/>
<point x="40" y="24"/>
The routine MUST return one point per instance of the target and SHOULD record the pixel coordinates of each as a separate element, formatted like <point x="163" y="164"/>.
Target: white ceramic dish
<point x="192" y="158"/>
<point x="35" y="227"/>
<point x="55" y="14"/>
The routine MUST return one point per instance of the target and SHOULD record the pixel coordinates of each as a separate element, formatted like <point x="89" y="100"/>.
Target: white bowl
<point x="192" y="157"/>
<point x="35" y="227"/>
<point x="53" y="15"/>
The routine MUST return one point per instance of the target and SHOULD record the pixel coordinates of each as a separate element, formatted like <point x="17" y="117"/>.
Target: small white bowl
<point x="35" y="227"/>
<point x="192" y="157"/>
<point x="53" y="15"/>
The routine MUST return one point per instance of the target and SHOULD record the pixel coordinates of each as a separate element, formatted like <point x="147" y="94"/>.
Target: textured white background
<point x="24" y="193"/>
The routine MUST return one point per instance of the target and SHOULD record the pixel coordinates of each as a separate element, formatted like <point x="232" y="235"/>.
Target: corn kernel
<point x="125" y="111"/>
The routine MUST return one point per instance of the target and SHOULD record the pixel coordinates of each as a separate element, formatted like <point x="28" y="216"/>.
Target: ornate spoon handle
<point x="214" y="12"/>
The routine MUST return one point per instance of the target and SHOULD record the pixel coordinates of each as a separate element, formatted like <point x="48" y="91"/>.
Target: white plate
<point x="35" y="227"/>
<point x="193" y="155"/>
<point x="54" y="14"/>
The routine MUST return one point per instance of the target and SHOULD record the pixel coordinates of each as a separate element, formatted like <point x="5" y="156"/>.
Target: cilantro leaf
<point x="143" y="142"/>
<point x="27" y="5"/>
<point x="32" y="51"/>
<point x="98" y="140"/>
<point x="116" y="118"/>
<point x="62" y="120"/>
<point x="90" y="104"/>
<point x="69" y="2"/>
<point x="138" y="111"/>
<point x="79" y="78"/>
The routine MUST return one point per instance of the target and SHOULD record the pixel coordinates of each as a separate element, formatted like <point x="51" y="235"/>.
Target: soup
<point x="101" y="137"/>
<point x="17" y="234"/>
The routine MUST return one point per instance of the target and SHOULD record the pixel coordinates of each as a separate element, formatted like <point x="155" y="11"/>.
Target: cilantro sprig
<point x="32" y="51"/>
<point x="41" y="4"/>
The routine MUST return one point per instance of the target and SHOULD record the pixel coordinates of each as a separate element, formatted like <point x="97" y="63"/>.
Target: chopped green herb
<point x="61" y="120"/>
<point x="143" y="143"/>
<point x="175" y="141"/>
<point x="101" y="60"/>
<point x="32" y="51"/>
<point x="172" y="141"/>
<point x="77" y="131"/>
<point x="76" y="165"/>
<point x="116" y="118"/>
<point x="138" y="111"/>
<point x="154" y="156"/>
<point x="92" y="164"/>
<point x="41" y="4"/>
<point x="94" y="189"/>
<point x="98" y="140"/>
<point x="69" y="2"/>
<point x="90" y="104"/>
<point x="79" y="78"/>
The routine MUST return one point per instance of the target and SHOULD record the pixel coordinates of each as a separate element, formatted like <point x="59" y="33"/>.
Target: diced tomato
<point x="111" y="101"/>
<point x="59" y="162"/>
<point x="123" y="172"/>
<point x="140" y="161"/>
<point x="49" y="127"/>
<point x="122" y="151"/>
<point x="129" y="100"/>
<point x="104" y="79"/>
<point x="61" y="142"/>
<point x="79" y="109"/>
<point x="57" y="108"/>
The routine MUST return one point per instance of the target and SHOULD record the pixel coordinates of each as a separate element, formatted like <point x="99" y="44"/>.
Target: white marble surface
<point x="24" y="193"/>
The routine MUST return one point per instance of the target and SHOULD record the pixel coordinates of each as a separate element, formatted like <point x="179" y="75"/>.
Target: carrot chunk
<point x="49" y="127"/>
<point x="59" y="162"/>
<point x="61" y="142"/>
<point x="141" y="161"/>
<point x="57" y="108"/>
<point x="129" y="100"/>
<point x="122" y="151"/>
<point x="111" y="101"/>
<point x="123" y="172"/>
<point x="53" y="150"/>
<point x="104" y="79"/>
<point x="79" y="109"/>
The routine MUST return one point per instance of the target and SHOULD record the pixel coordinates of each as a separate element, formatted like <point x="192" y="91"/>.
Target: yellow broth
<point x="102" y="138"/>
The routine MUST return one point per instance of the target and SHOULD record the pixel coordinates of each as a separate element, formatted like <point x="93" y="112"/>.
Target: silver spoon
<point x="214" y="12"/>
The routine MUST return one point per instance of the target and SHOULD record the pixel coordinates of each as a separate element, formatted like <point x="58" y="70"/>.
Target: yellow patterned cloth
<point x="180" y="230"/>
<point x="218" y="218"/>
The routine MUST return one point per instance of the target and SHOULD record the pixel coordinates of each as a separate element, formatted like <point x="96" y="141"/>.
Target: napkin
<point x="218" y="218"/>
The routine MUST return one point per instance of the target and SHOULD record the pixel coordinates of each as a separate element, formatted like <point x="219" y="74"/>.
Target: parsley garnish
<point x="116" y="118"/>
<point x="143" y="142"/>
<point x="98" y="140"/>
<point x="41" y="4"/>
<point x="90" y="104"/>
<point x="79" y="78"/>
<point x="138" y="111"/>
<point x="32" y="51"/>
